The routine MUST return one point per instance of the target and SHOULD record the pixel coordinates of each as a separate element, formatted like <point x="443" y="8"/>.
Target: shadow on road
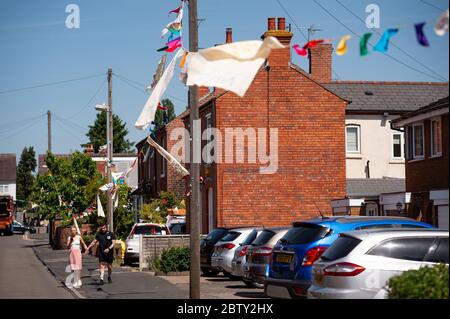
<point x="251" y="295"/>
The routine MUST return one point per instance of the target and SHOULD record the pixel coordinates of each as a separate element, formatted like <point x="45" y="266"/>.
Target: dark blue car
<point x="289" y="273"/>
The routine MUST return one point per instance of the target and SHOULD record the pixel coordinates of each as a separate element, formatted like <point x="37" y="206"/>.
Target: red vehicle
<point x="6" y="215"/>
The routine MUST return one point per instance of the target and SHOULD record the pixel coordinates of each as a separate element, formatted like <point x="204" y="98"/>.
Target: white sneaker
<point x="79" y="283"/>
<point x="76" y="286"/>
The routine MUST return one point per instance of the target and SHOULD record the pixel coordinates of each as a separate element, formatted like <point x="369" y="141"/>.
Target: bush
<point x="175" y="259"/>
<point x="425" y="283"/>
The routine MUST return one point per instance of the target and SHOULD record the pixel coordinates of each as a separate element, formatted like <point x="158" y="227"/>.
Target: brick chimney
<point x="280" y="57"/>
<point x="89" y="150"/>
<point x="229" y="35"/>
<point x="320" y="62"/>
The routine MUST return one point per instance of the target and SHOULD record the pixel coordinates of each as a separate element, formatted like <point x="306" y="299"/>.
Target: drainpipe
<point x="368" y="170"/>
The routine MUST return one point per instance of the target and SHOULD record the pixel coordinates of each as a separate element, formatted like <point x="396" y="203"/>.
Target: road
<point x="22" y="275"/>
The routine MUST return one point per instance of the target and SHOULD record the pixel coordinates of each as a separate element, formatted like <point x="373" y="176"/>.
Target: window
<point x="413" y="249"/>
<point x="340" y="248"/>
<point x="304" y="233"/>
<point x="415" y="142"/>
<point x="397" y="152"/>
<point x="436" y="137"/>
<point x="353" y="139"/>
<point x="4" y="189"/>
<point x="208" y="141"/>
<point x="441" y="253"/>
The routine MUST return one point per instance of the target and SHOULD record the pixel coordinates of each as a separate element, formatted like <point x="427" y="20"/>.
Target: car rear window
<point x="441" y="253"/>
<point x="304" y="233"/>
<point x="250" y="238"/>
<point x="263" y="237"/>
<point x="231" y="236"/>
<point x="340" y="248"/>
<point x="214" y="236"/>
<point x="413" y="249"/>
<point x="149" y="230"/>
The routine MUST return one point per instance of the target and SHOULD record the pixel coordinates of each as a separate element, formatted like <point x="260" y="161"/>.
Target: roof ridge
<point x="389" y="82"/>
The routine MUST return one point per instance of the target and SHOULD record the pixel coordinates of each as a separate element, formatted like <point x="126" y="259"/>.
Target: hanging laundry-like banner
<point x="159" y="72"/>
<point x="172" y="161"/>
<point x="363" y="50"/>
<point x="175" y="25"/>
<point x="441" y="27"/>
<point x="147" y="115"/>
<point x="100" y="212"/>
<point x="303" y="51"/>
<point x="383" y="45"/>
<point x="342" y="47"/>
<point x="420" y="34"/>
<point x="230" y="66"/>
<point x="106" y="187"/>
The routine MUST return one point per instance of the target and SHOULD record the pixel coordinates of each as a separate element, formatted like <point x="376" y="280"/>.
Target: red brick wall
<point x="311" y="124"/>
<point x="320" y="63"/>
<point x="174" y="181"/>
<point x="431" y="173"/>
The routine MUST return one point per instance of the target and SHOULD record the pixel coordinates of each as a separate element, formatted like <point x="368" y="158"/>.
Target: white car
<point x="359" y="264"/>
<point x="224" y="250"/>
<point x="132" y="242"/>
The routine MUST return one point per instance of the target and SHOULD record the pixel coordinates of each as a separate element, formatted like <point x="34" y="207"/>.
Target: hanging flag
<point x="162" y="107"/>
<point x="383" y="45"/>
<point x="231" y="66"/>
<point x="300" y="51"/>
<point x="106" y="187"/>
<point x="311" y="44"/>
<point x="363" y="51"/>
<point x="441" y="27"/>
<point x="421" y="37"/>
<point x="183" y="60"/>
<point x="174" y="44"/>
<point x="342" y="47"/>
<point x="159" y="72"/>
<point x="177" y="10"/>
<point x="147" y="115"/>
<point x="176" y="24"/>
<point x="100" y="212"/>
<point x="172" y="161"/>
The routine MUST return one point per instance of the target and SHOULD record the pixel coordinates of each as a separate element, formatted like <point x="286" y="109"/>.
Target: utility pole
<point x="194" y="212"/>
<point x="49" y="131"/>
<point x="110" y="151"/>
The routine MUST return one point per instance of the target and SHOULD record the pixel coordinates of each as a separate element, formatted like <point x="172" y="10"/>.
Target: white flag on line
<point x="100" y="211"/>
<point x="170" y="159"/>
<point x="148" y="113"/>
<point x="230" y="66"/>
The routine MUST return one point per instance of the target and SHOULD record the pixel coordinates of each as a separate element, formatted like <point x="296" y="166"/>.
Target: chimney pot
<point x="282" y="24"/>
<point x="271" y="24"/>
<point x="229" y="37"/>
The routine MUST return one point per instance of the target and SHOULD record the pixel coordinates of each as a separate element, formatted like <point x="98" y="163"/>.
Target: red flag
<point x="177" y="10"/>
<point x="311" y="44"/>
<point x="162" y="107"/>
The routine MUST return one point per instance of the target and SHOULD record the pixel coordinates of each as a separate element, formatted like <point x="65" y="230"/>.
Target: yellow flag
<point x="342" y="47"/>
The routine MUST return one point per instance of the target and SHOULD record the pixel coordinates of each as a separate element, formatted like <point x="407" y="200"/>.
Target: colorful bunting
<point x="311" y="44"/>
<point x="363" y="51"/>
<point x="441" y="27"/>
<point x="421" y="37"/>
<point x="342" y="47"/>
<point x="177" y="10"/>
<point x="383" y="45"/>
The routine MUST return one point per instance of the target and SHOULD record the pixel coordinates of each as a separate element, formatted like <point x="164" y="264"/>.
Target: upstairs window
<point x="416" y="148"/>
<point x="353" y="139"/>
<point x="436" y="137"/>
<point x="397" y="151"/>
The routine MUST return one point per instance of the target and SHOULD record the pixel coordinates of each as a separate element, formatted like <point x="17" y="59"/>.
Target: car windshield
<point x="149" y="230"/>
<point x="215" y="235"/>
<point x="304" y="233"/>
<point x="231" y="236"/>
<point x="340" y="248"/>
<point x="264" y="237"/>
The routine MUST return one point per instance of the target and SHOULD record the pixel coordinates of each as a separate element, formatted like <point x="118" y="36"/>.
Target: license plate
<point x="284" y="258"/>
<point x="319" y="277"/>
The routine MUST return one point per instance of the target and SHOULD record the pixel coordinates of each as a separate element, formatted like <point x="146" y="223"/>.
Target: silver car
<point x="237" y="264"/>
<point x="224" y="250"/>
<point x="359" y="264"/>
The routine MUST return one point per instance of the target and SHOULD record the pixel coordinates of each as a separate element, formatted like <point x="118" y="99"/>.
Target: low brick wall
<point x="152" y="246"/>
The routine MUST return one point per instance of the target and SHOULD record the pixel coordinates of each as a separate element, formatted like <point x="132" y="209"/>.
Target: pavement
<point x="34" y="270"/>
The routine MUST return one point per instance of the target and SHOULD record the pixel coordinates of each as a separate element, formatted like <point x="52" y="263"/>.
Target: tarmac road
<point x="22" y="275"/>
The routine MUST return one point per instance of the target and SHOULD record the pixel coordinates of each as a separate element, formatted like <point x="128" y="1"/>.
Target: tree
<point x="25" y="169"/>
<point x="170" y="115"/>
<point x="123" y="216"/>
<point x="97" y="134"/>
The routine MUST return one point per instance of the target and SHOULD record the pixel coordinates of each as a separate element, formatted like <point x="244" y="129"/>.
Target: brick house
<point x="427" y="165"/>
<point x="8" y="175"/>
<point x="311" y="142"/>
<point x="154" y="175"/>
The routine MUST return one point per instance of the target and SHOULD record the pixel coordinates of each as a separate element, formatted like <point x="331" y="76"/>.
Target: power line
<point x="72" y="124"/>
<point x="65" y="127"/>
<point x="90" y="100"/>
<point x="50" y="84"/>
<point x="5" y="126"/>
<point x="393" y="44"/>
<point x="432" y="5"/>
<point x="386" y="54"/>
<point x="21" y="130"/>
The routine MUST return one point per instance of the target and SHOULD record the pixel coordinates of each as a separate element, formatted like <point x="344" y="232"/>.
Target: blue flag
<point x="383" y="44"/>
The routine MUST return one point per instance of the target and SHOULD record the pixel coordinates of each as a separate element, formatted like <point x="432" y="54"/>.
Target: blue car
<point x="289" y="273"/>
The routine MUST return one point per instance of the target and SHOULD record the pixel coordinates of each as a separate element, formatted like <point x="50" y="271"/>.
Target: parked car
<point x="177" y="228"/>
<point x="132" y="242"/>
<point x="237" y="263"/>
<point x="207" y="248"/>
<point x="289" y="274"/>
<point x="224" y="249"/>
<point x="258" y="256"/>
<point x="359" y="264"/>
<point x="18" y="228"/>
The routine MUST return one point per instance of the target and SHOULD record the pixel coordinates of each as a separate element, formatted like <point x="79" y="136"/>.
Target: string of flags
<point x="441" y="28"/>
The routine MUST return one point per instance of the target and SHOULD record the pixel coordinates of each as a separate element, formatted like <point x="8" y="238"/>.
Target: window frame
<point x="358" y="139"/>
<point x="208" y="124"/>
<point x="402" y="146"/>
<point x="414" y="155"/>
<point x="432" y="137"/>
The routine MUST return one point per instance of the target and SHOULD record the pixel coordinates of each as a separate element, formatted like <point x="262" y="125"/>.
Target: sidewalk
<point x="126" y="283"/>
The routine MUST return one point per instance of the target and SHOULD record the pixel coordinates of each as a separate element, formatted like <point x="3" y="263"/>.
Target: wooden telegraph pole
<point x="194" y="213"/>
<point x="110" y="151"/>
<point x="49" y="131"/>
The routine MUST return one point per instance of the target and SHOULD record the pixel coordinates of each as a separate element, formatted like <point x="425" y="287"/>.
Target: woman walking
<point x="74" y="243"/>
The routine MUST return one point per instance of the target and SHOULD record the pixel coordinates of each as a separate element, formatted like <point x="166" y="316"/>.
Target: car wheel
<point x="209" y="272"/>
<point x="250" y="284"/>
<point x="231" y="276"/>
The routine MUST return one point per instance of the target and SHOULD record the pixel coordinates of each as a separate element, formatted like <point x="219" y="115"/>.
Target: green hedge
<point x="174" y="259"/>
<point x="425" y="283"/>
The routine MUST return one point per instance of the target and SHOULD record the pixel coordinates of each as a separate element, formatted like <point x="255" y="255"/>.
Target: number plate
<point x="319" y="277"/>
<point x="284" y="258"/>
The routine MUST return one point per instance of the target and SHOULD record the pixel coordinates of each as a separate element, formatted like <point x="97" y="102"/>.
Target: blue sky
<point x="36" y="48"/>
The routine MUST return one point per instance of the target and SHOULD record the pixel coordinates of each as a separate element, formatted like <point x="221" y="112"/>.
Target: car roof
<point x="392" y="233"/>
<point x="149" y="224"/>
<point x="348" y="220"/>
